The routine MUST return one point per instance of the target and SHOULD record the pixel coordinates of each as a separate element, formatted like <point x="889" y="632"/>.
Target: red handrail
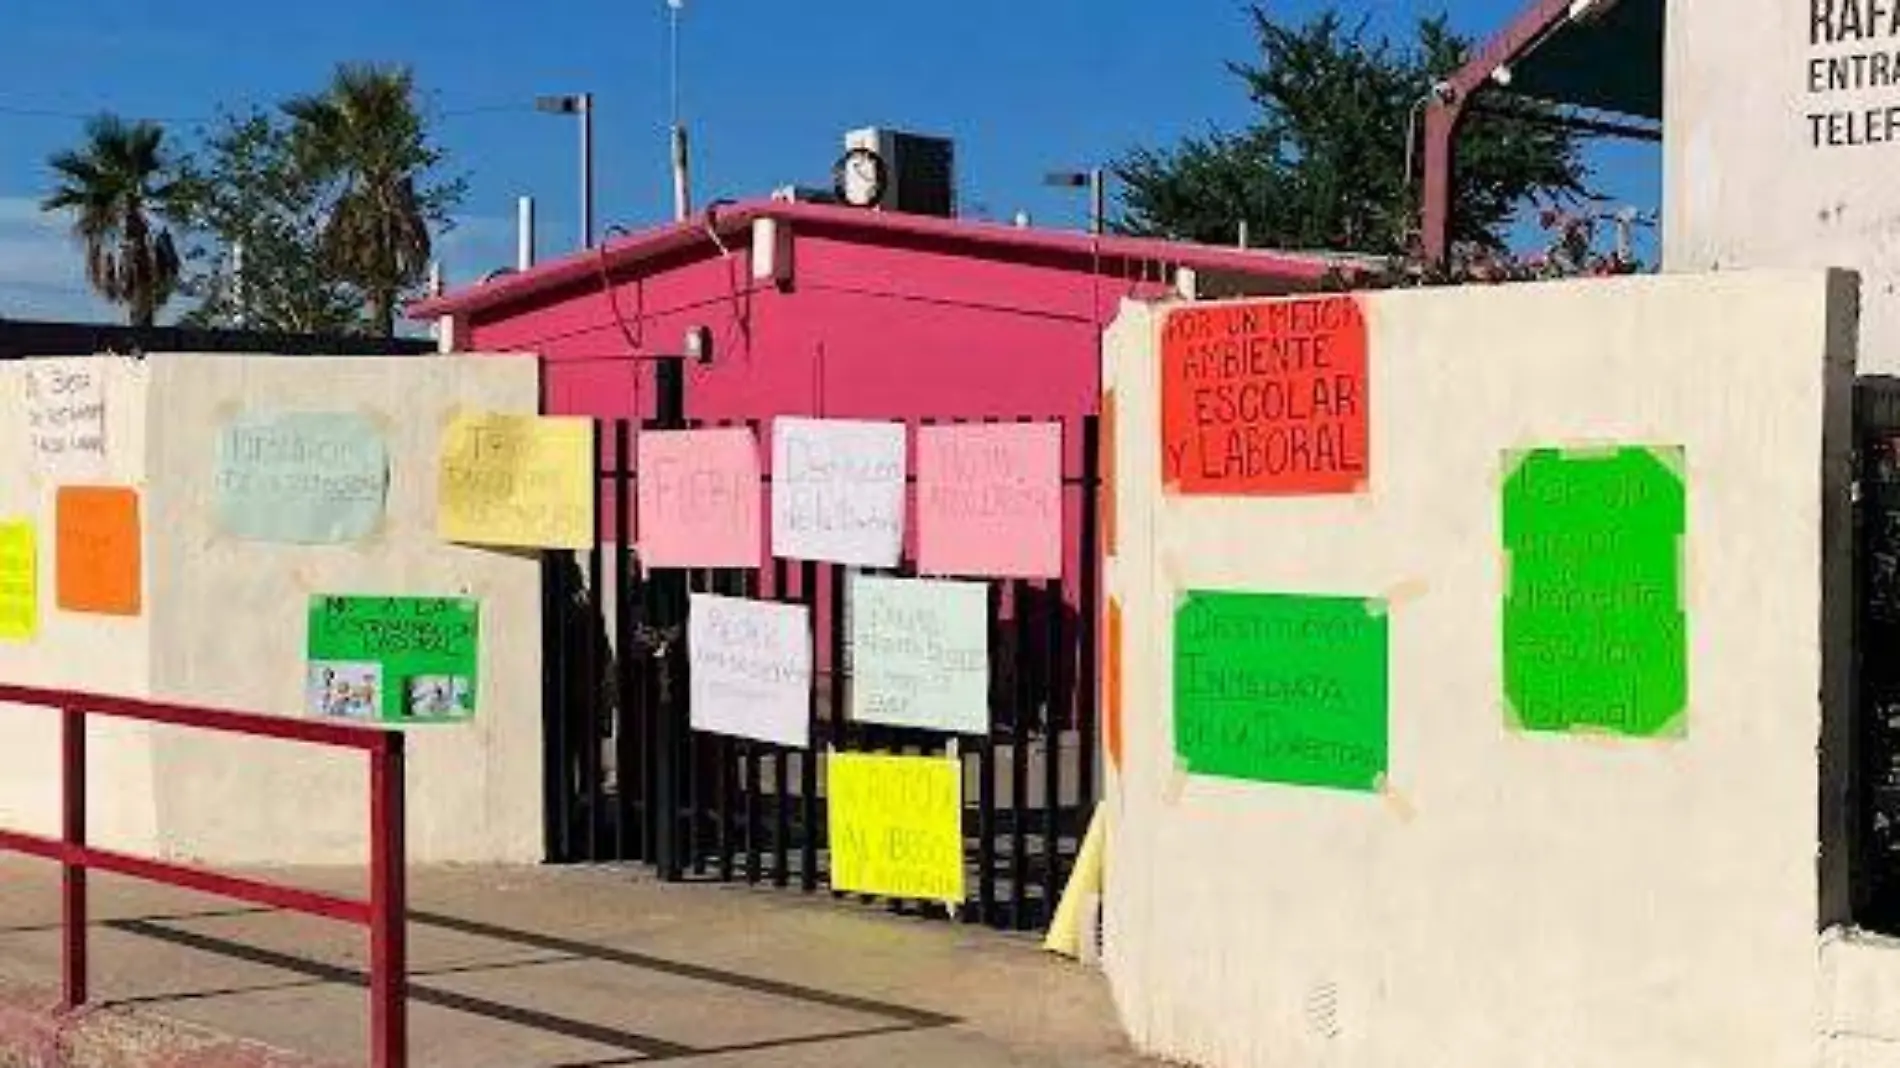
<point x="385" y="913"/>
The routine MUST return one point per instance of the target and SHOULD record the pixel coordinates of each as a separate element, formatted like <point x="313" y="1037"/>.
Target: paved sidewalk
<point x="566" y="968"/>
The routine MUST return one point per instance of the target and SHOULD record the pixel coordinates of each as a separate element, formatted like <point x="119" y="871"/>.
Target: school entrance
<point x="630" y="780"/>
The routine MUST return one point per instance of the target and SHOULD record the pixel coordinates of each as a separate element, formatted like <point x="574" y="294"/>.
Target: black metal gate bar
<point x="1019" y="761"/>
<point x="1088" y="617"/>
<point x="837" y="723"/>
<point x="808" y="760"/>
<point x="646" y="703"/>
<point x="986" y="773"/>
<point x="627" y="842"/>
<point x="1054" y="721"/>
<point x="592" y="773"/>
<point x="781" y="788"/>
<point x="735" y="586"/>
<point x="698" y="580"/>
<point x="557" y="787"/>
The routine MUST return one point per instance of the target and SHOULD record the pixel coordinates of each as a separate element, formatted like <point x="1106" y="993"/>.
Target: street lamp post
<point x="582" y="105"/>
<point x="1096" y="181"/>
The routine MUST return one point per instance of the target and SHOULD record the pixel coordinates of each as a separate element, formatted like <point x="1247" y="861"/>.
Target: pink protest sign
<point x="989" y="500"/>
<point x="699" y="498"/>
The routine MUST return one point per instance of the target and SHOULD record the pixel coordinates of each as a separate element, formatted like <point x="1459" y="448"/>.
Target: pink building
<point x="821" y="310"/>
<point x="803" y="309"/>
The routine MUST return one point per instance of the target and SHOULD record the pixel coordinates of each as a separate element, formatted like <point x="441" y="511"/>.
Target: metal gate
<point x="1871" y="762"/>
<point x="629" y="780"/>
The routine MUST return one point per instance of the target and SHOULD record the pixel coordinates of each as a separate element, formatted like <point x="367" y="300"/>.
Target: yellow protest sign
<point x="19" y="582"/>
<point x="897" y="826"/>
<point x="518" y="480"/>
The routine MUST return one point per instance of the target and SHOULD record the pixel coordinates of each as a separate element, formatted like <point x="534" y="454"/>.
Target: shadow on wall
<point x="586" y="666"/>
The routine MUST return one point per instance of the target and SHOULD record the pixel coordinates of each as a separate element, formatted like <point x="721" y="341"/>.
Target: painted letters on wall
<point x="1595" y="635"/>
<point x="1265" y="398"/>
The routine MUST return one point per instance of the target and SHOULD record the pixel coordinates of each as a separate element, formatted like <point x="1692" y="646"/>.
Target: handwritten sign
<point x="1595" y="635"/>
<point x="308" y="478"/>
<point x="66" y="416"/>
<point x="19" y="581"/>
<point x="97" y="550"/>
<point x="750" y="667"/>
<point x="1265" y="398"/>
<point x="423" y="650"/>
<point x="1282" y="689"/>
<point x="699" y="498"/>
<point x="989" y="500"/>
<point x="518" y="480"/>
<point x="896" y="826"/>
<point x="920" y="654"/>
<point x="838" y="491"/>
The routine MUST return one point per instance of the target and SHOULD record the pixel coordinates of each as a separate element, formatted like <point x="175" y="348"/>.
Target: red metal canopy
<point x="1605" y="55"/>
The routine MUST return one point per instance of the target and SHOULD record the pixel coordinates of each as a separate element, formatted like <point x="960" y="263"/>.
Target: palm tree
<point x="112" y="185"/>
<point x="365" y="134"/>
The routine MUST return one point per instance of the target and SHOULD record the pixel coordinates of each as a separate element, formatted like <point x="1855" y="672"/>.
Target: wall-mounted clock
<point x="861" y="178"/>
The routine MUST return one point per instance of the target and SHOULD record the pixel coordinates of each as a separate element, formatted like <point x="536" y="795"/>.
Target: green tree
<point x="366" y="139"/>
<point x="257" y="217"/>
<point x="1324" y="163"/>
<point x="115" y="186"/>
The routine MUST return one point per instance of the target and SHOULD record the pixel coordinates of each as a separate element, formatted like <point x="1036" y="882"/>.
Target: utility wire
<point x="85" y="116"/>
<point x="19" y="111"/>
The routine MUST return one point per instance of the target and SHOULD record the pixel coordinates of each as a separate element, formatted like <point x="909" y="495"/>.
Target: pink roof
<point x="875" y="226"/>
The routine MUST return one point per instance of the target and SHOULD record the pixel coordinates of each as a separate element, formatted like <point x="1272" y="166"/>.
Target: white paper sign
<point x="838" y="491"/>
<point x="66" y="416"/>
<point x="750" y="665"/>
<point x="920" y="654"/>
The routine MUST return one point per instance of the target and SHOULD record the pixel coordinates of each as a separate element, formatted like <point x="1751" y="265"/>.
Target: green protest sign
<point x="1281" y="688"/>
<point x="1595" y="636"/>
<point x="394" y="660"/>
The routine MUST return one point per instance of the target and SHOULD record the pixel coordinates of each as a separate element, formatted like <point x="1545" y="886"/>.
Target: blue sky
<point x="1025" y="86"/>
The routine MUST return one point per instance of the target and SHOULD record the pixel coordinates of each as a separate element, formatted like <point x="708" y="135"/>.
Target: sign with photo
<point x="393" y="660"/>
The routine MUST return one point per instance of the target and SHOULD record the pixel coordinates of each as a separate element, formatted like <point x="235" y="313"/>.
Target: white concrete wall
<point x="1509" y="899"/>
<point x="101" y="654"/>
<point x="1758" y="173"/>
<point x="229" y="616"/>
<point x="224" y="625"/>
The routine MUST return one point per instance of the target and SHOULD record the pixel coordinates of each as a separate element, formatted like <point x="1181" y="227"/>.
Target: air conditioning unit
<point x="919" y="171"/>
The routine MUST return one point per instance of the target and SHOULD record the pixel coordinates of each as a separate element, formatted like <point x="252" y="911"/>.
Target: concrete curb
<point x="34" y="1034"/>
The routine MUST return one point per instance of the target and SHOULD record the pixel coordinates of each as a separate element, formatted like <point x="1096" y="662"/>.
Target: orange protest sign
<point x="97" y="550"/>
<point x="1265" y="398"/>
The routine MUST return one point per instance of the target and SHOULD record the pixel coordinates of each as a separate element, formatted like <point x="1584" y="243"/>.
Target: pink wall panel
<point x="864" y="331"/>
